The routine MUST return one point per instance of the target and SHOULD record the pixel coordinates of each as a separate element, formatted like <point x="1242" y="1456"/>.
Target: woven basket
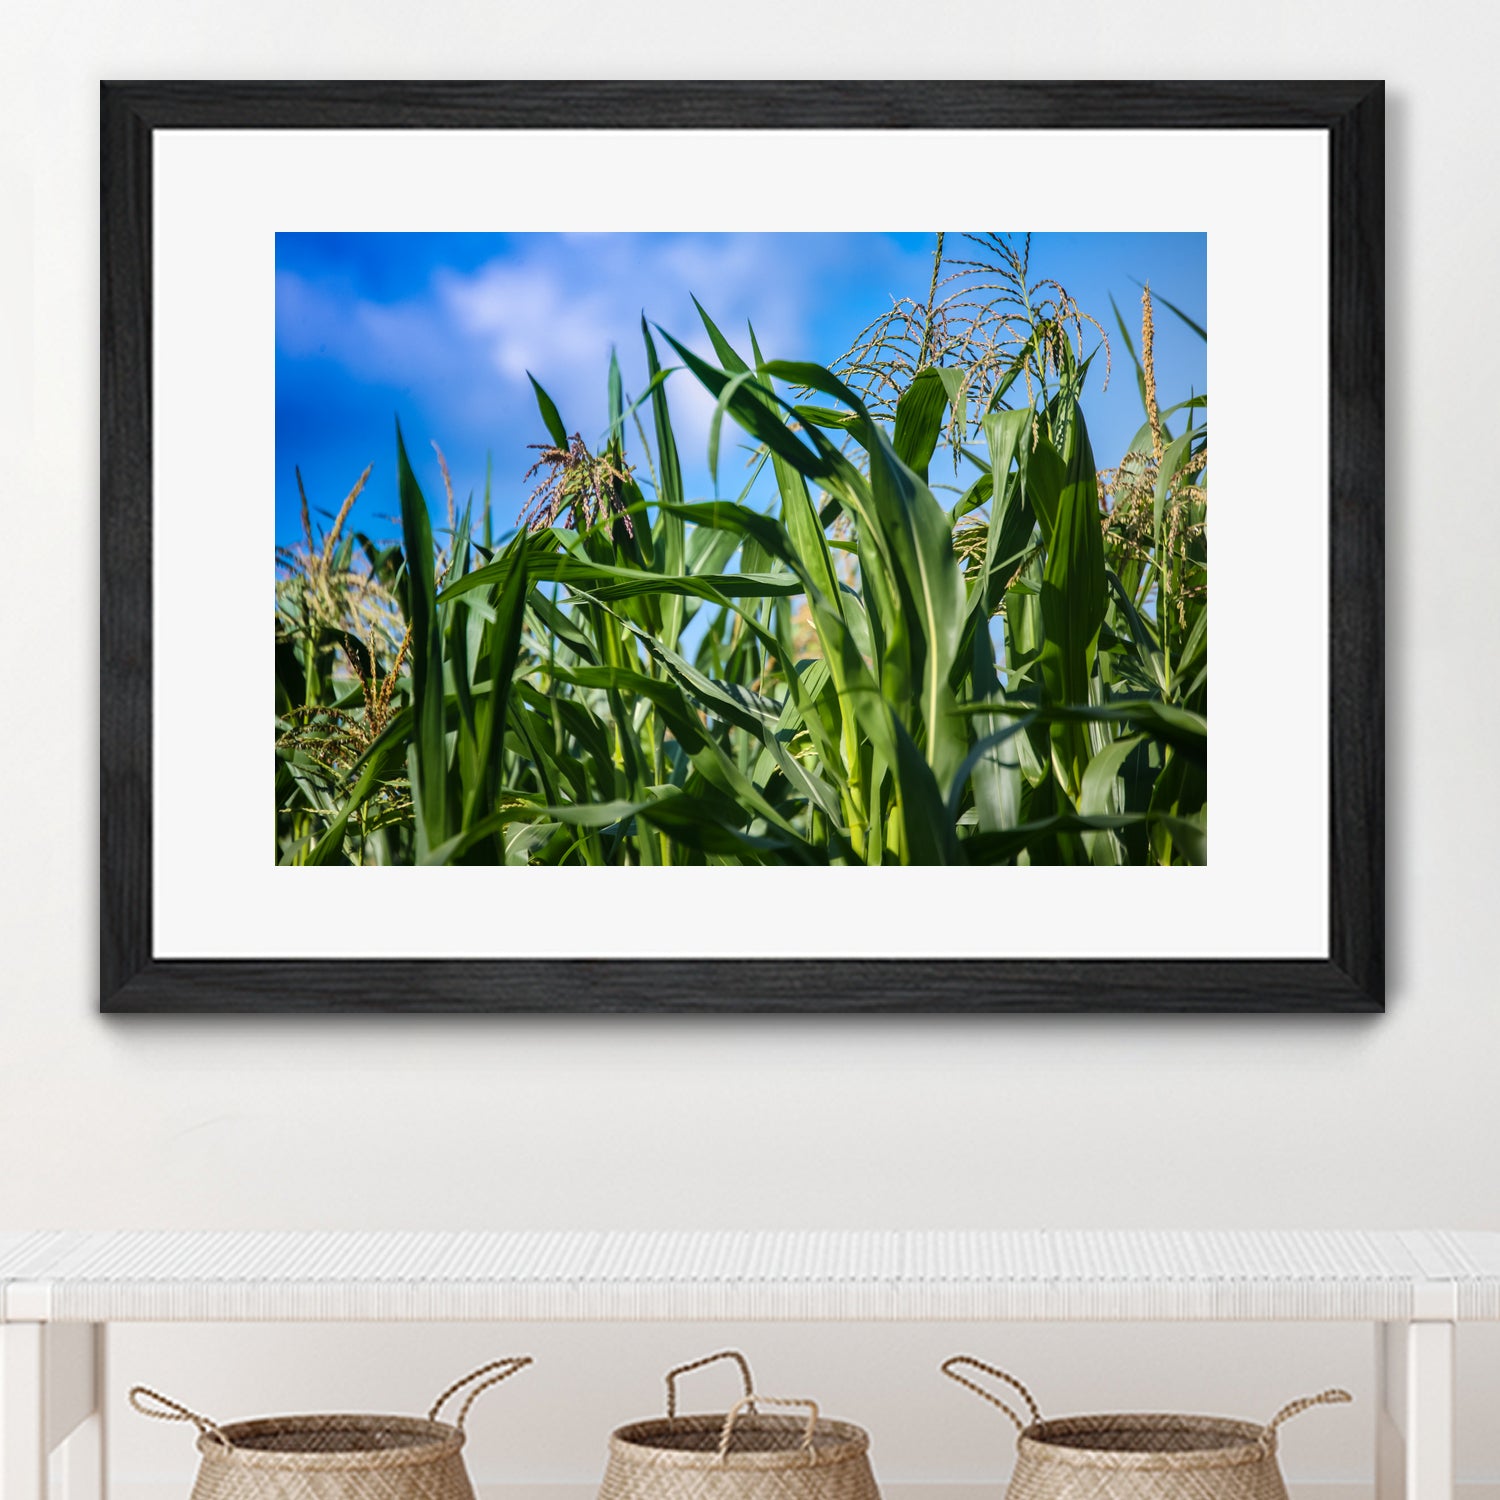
<point x="1140" y="1456"/>
<point x="333" y="1456"/>
<point x="741" y="1454"/>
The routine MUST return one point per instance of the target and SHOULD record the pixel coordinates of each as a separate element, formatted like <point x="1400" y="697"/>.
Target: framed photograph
<point x="742" y="546"/>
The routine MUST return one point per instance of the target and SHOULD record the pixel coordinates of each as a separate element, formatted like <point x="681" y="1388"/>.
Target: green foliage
<point x="639" y="678"/>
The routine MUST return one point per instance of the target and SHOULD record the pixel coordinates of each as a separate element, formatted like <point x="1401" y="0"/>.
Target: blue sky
<point x="440" y="330"/>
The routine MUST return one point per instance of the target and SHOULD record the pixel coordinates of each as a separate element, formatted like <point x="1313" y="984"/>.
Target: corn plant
<point x="858" y="675"/>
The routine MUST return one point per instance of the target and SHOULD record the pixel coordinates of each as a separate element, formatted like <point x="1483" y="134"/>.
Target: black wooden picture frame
<point x="1350" y="978"/>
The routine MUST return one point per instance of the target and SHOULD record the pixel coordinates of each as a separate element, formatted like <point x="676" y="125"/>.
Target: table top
<point x="631" y="1276"/>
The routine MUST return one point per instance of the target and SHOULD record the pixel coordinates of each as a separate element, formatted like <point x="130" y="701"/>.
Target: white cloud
<point x="459" y="348"/>
<point x="555" y="307"/>
<point x="526" y="316"/>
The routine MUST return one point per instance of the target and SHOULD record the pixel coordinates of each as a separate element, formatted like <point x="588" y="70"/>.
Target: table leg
<point x="51" y="1380"/>
<point x="76" y="1386"/>
<point x="23" y="1437"/>
<point x="1414" y="1440"/>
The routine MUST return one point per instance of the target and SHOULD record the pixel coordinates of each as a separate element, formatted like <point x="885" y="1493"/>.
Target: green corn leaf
<point x="727" y="515"/>
<point x="1189" y="836"/>
<point x="728" y="356"/>
<point x="1097" y="796"/>
<point x="1148" y="651"/>
<point x="1142" y="441"/>
<point x="750" y="409"/>
<point x="928" y="831"/>
<point x="375" y="766"/>
<point x="669" y="554"/>
<point x="1172" y="307"/>
<point x="1074" y="600"/>
<point x="1012" y="519"/>
<point x="1028" y="837"/>
<point x="823" y="416"/>
<point x="616" y="395"/>
<point x="1186" y="732"/>
<point x="610" y="582"/>
<point x="548" y="408"/>
<point x="707" y="824"/>
<point x="556" y="624"/>
<point x="429" y="748"/>
<point x="924" y="629"/>
<point x="997" y="810"/>
<point x="1173" y="458"/>
<point x="726" y="396"/>
<point x="919" y="415"/>
<point x="502" y="646"/>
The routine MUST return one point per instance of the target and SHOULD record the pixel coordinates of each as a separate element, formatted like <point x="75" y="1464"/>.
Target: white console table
<point x="60" y="1291"/>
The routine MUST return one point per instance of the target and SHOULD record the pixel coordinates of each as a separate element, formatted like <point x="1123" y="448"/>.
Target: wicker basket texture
<point x="334" y="1456"/>
<point x="741" y="1454"/>
<point x="1140" y="1455"/>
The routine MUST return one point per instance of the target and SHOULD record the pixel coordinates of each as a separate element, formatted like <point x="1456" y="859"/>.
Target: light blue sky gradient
<point x="440" y="330"/>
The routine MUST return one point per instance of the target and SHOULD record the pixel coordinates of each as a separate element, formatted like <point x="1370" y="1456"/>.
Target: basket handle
<point x="727" y="1435"/>
<point x="1010" y="1380"/>
<point x="140" y="1394"/>
<point x="507" y="1367"/>
<point x="698" y="1364"/>
<point x="1296" y="1408"/>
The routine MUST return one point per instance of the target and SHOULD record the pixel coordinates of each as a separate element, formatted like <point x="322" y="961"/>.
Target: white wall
<point x="1386" y="1121"/>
